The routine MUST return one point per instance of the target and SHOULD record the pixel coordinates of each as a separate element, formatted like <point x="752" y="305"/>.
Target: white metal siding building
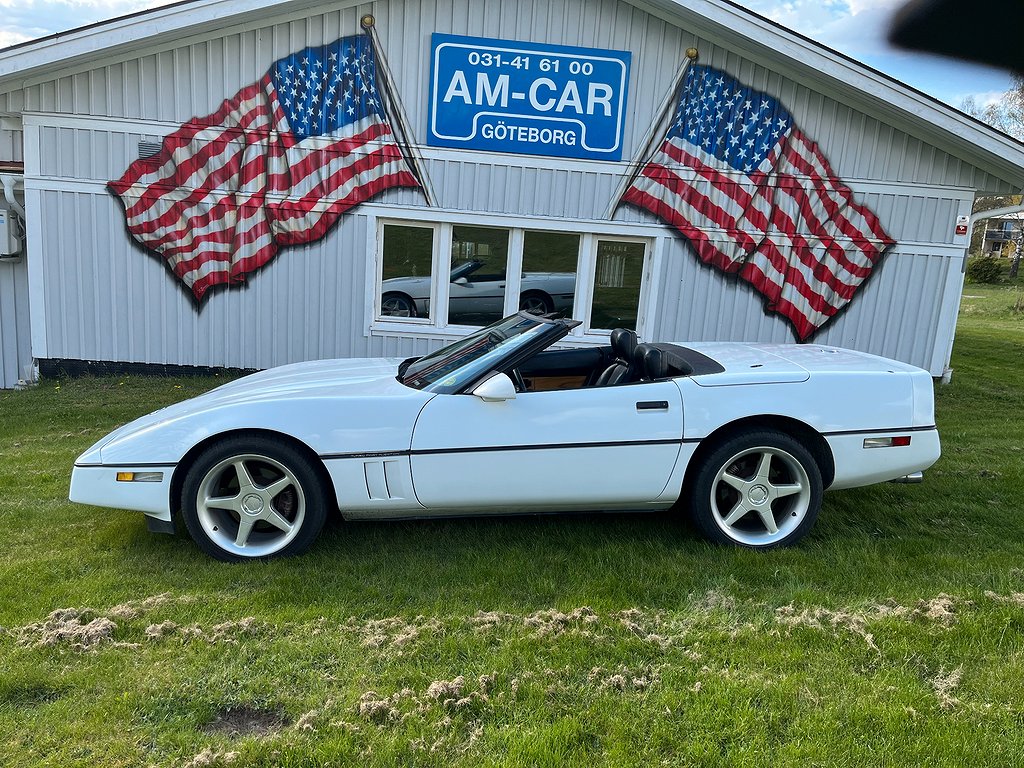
<point x="77" y="106"/>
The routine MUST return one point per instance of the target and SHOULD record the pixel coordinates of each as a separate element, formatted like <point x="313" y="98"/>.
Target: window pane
<point x="549" y="272"/>
<point x="620" y="267"/>
<point x="479" y="262"/>
<point x="408" y="260"/>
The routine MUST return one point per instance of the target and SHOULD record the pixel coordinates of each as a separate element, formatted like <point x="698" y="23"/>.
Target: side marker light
<point x="887" y="442"/>
<point x="140" y="477"/>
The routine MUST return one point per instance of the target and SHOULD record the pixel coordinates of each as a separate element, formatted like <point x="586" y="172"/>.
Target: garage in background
<point x="515" y="193"/>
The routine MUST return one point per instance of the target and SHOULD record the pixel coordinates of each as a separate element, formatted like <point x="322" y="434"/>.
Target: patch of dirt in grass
<point x="944" y="684"/>
<point x="940" y="609"/>
<point x="208" y="758"/>
<point x="225" y="632"/>
<point x="552" y="622"/>
<point x="392" y="633"/>
<point x="1014" y="598"/>
<point x="822" y="618"/>
<point x="86" y="629"/>
<point x="83" y="630"/>
<point x="381" y="709"/>
<point x="449" y="695"/>
<point x="484" y="620"/>
<point x="309" y="720"/>
<point x="623" y="679"/>
<point x="446" y="690"/>
<point x="656" y="628"/>
<point x="246" y="721"/>
<point x="132" y="609"/>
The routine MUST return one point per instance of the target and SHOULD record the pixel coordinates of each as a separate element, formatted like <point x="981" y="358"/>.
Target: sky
<point x="855" y="27"/>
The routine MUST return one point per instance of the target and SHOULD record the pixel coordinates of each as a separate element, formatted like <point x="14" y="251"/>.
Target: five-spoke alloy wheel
<point x="758" y="489"/>
<point x="536" y="303"/>
<point x="397" y="305"/>
<point x="247" y="498"/>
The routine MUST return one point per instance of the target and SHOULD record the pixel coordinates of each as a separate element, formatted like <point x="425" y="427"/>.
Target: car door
<point x="592" y="448"/>
<point x="474" y="296"/>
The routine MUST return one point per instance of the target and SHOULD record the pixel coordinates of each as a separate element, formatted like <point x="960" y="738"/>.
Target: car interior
<point x="624" y="361"/>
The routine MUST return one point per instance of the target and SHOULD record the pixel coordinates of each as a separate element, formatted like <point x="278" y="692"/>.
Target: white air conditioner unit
<point x="10" y="234"/>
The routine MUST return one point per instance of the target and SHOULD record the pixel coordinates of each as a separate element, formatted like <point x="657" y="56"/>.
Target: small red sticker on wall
<point x="961" y="224"/>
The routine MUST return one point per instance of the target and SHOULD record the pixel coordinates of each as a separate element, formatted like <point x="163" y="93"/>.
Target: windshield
<point x="449" y="369"/>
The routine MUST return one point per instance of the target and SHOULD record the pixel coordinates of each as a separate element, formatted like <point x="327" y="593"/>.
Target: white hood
<point x="328" y="400"/>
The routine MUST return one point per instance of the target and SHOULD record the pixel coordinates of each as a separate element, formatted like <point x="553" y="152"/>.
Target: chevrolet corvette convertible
<point x="742" y="438"/>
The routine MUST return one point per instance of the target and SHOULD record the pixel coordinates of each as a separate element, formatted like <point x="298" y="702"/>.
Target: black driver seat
<point x="622" y="367"/>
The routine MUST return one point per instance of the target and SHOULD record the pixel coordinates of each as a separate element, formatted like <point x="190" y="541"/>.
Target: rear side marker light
<point x="140" y="477"/>
<point x="887" y="442"/>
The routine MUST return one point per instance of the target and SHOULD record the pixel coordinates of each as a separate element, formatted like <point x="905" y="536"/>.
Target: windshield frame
<point x="541" y="334"/>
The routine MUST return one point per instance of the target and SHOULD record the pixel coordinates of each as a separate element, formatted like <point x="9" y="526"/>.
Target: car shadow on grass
<point x="531" y="562"/>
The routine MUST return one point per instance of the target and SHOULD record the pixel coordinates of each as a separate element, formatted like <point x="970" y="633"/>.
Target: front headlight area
<point x="141" y="488"/>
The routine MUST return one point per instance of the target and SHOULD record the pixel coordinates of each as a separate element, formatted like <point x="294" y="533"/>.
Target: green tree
<point x="1007" y="114"/>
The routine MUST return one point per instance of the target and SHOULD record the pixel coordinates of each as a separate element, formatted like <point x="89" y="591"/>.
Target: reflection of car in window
<point x="474" y="293"/>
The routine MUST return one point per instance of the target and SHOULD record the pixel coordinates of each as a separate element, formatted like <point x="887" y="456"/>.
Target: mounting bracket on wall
<point x="12" y="220"/>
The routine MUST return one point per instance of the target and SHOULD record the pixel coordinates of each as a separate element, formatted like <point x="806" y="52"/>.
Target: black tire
<point x="397" y="305"/>
<point x="281" y="488"/>
<point x="734" y="497"/>
<point x="536" y="302"/>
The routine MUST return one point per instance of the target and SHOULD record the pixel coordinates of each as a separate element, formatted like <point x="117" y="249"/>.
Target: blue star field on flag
<point x="326" y="88"/>
<point x="726" y="119"/>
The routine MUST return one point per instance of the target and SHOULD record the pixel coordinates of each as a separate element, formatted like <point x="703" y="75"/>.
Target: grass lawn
<point x="892" y="636"/>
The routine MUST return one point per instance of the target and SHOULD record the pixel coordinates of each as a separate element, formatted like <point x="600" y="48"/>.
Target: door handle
<point x="652" y="405"/>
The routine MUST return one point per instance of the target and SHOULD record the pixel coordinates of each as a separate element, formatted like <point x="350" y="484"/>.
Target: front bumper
<point x="97" y="485"/>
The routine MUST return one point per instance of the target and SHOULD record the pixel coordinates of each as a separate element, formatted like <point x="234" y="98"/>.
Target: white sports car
<point x="744" y="437"/>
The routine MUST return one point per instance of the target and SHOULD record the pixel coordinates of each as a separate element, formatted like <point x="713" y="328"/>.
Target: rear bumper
<point x="97" y="485"/>
<point x="857" y="465"/>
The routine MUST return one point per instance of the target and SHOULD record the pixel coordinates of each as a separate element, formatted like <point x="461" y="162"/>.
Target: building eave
<point x="809" y="63"/>
<point x="85" y="46"/>
<point x="733" y="27"/>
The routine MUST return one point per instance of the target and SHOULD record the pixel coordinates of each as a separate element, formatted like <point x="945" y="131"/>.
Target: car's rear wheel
<point x="250" y="498"/>
<point x="758" y="489"/>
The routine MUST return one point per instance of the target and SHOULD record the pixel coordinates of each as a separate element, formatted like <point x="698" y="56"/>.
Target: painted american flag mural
<point x="757" y="198"/>
<point x="275" y="166"/>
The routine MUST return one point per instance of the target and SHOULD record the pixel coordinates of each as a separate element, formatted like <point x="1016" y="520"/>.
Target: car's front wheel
<point x="250" y="497"/>
<point x="536" y="303"/>
<point x="397" y="305"/>
<point x="759" y="489"/>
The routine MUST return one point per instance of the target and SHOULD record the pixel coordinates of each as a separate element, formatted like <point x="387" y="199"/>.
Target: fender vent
<point x="385" y="480"/>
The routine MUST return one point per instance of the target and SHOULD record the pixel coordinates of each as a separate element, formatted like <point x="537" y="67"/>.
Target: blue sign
<point x="506" y="96"/>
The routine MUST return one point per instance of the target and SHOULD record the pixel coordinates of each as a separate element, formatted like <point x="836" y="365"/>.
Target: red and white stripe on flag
<point x="820" y="245"/>
<point x="757" y="198"/>
<point x="227" y="191"/>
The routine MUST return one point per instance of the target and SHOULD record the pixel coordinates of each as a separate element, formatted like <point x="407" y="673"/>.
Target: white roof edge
<point x="929" y="115"/>
<point x="971" y="140"/>
<point x="29" y="59"/>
